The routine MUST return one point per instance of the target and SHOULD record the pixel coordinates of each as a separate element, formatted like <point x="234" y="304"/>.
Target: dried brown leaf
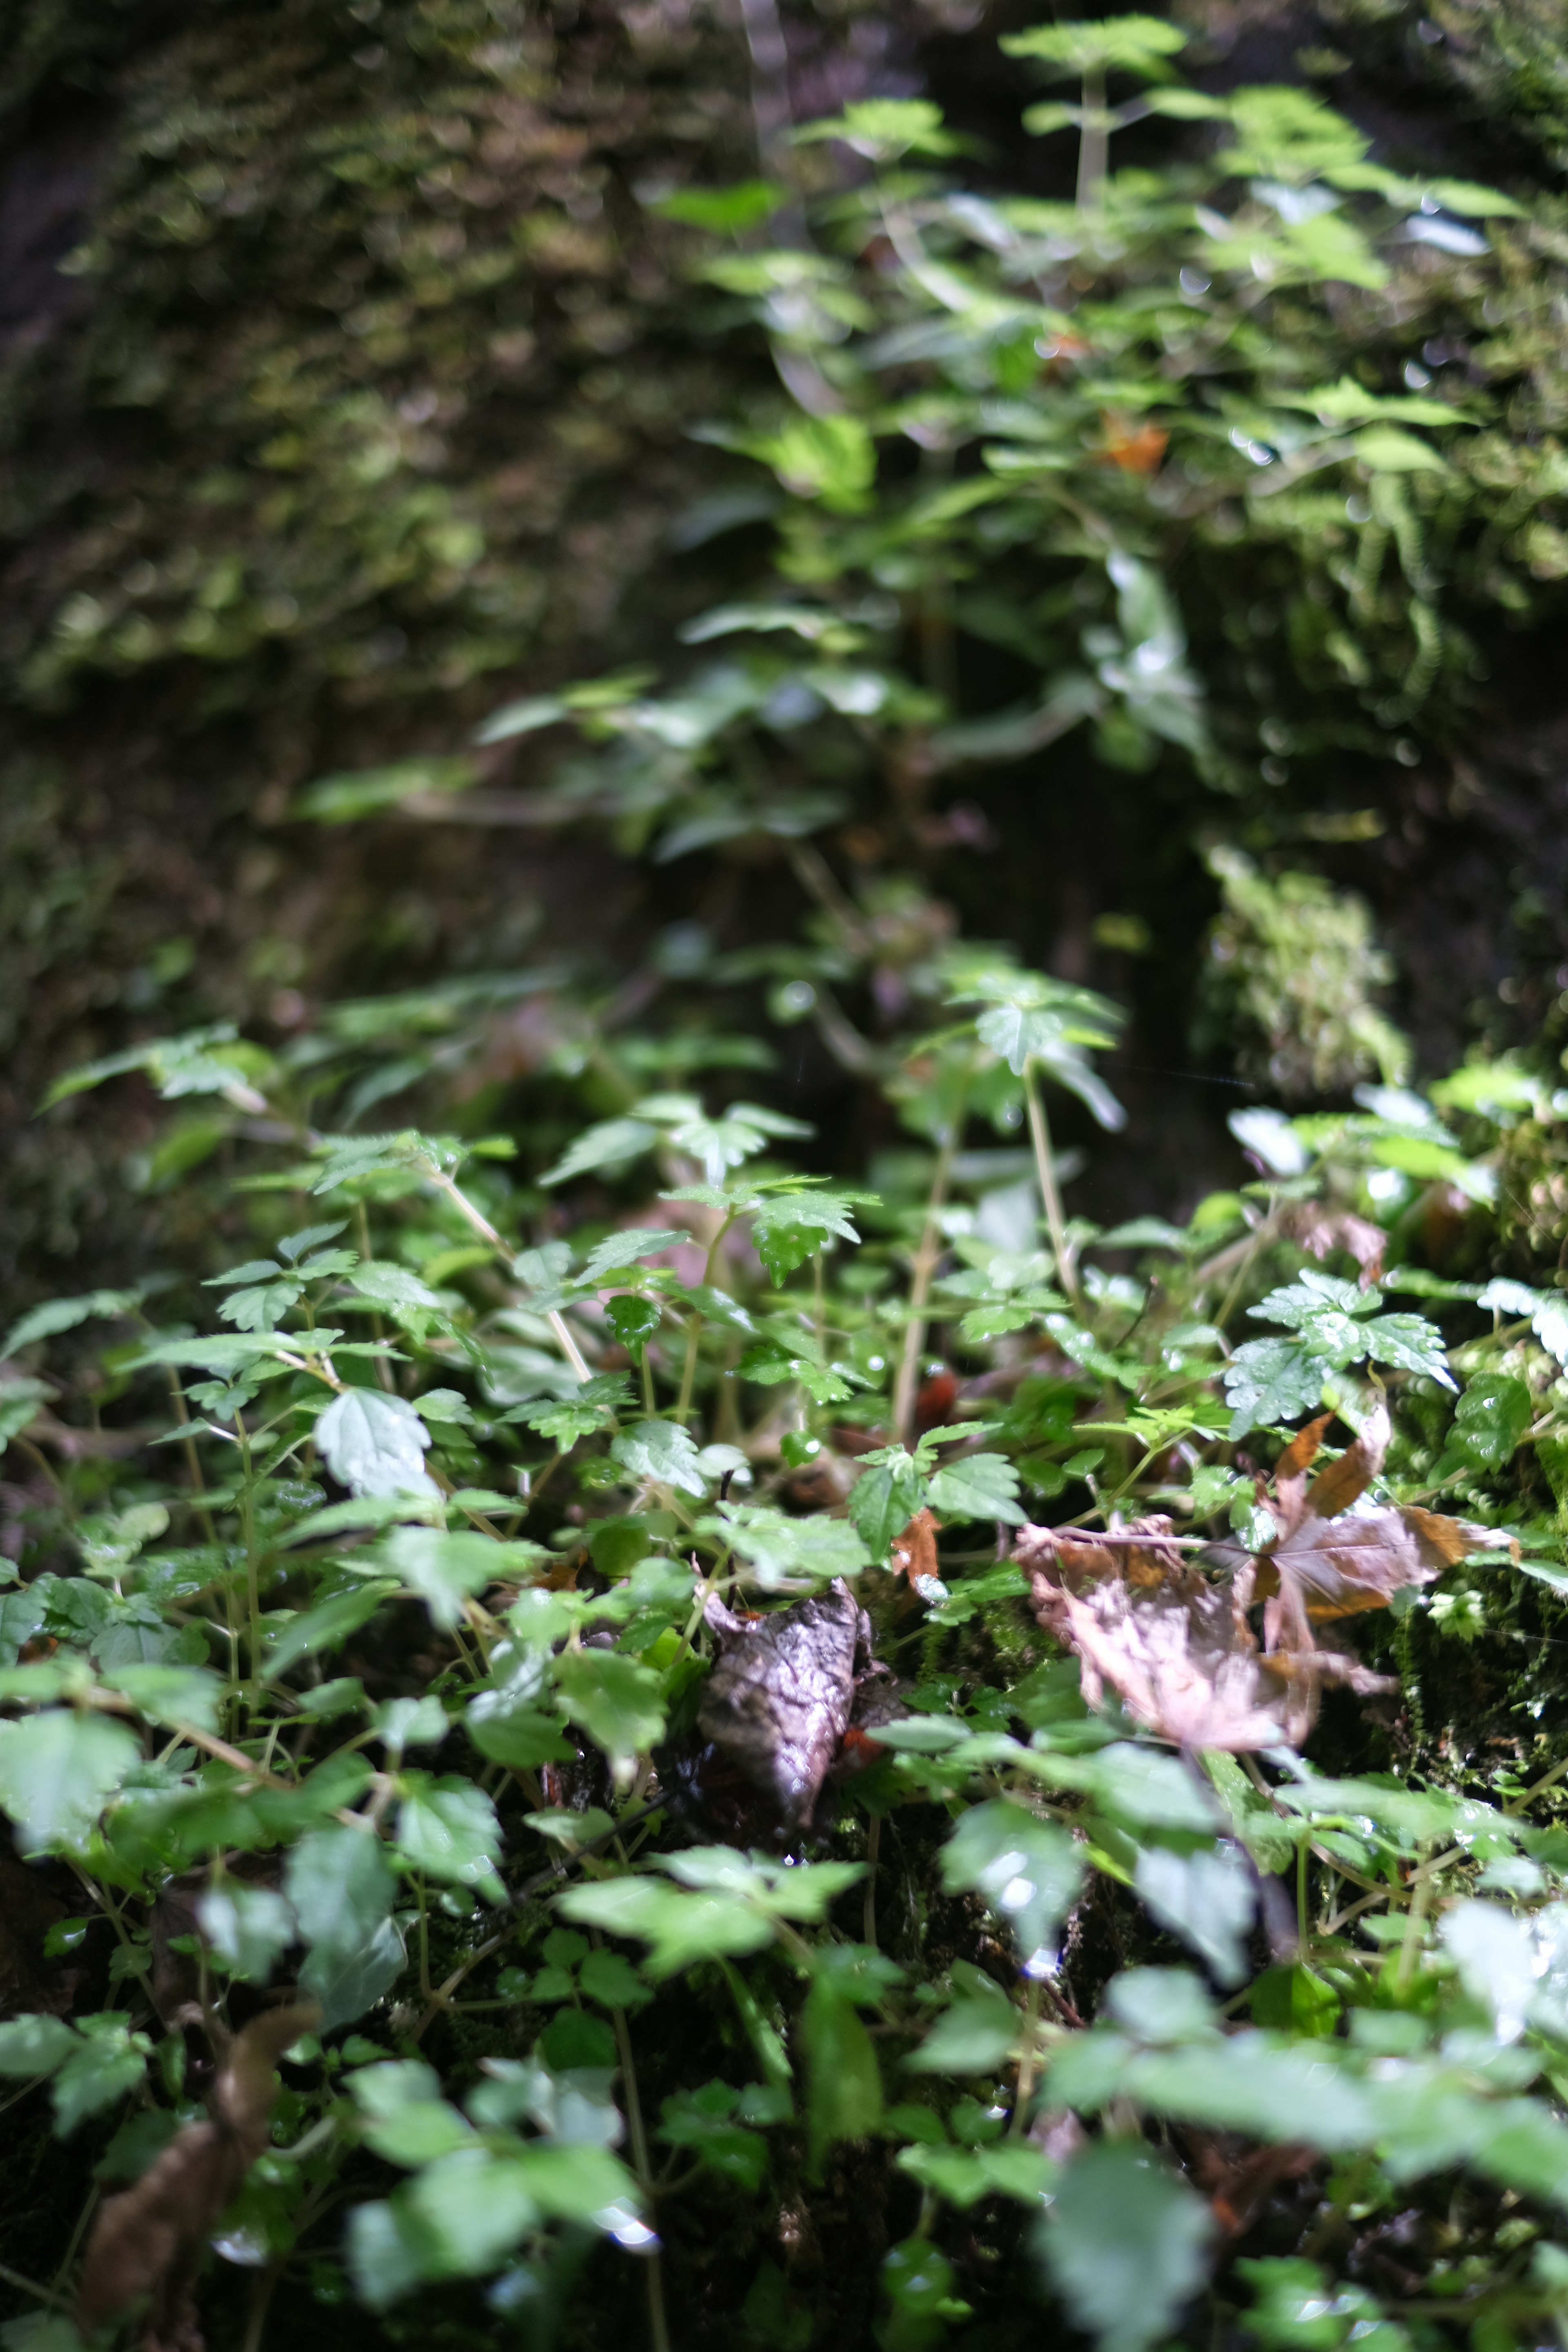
<point x="1313" y="1226"/>
<point x="148" y="2241"/>
<point x="778" y="1700"/>
<point x="914" y="1555"/>
<point x="1335" y="1488"/>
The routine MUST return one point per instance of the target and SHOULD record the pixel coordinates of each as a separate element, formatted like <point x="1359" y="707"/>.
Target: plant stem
<point x="1056" y="1225"/>
<point x="1094" y="144"/>
<point x="1029" y="2058"/>
<point x="657" y="2326"/>
<point x="487" y="1232"/>
<point x="926" y="1257"/>
<point x="869" y="1910"/>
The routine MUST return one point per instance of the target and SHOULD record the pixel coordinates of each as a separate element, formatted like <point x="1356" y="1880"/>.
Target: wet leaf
<point x="375" y="1443"/>
<point x="1126" y="2245"/>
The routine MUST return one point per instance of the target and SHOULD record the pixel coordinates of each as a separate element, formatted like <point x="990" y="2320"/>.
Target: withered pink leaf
<point x="1320" y="1230"/>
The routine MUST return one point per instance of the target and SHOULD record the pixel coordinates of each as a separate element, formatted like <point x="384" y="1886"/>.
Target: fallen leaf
<point x="148" y="2240"/>
<point x="1313" y="1226"/>
<point x="1135" y="448"/>
<point x="779" y="1699"/>
<point x="914" y="1555"/>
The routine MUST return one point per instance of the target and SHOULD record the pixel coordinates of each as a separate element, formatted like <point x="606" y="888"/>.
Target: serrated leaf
<point x="661" y="1451"/>
<point x="375" y="1443"/>
<point x="107" y="2064"/>
<point x="57" y="1771"/>
<point x="608" y="1145"/>
<point x="447" y="1828"/>
<point x="780" y="1549"/>
<point x="882" y="1502"/>
<point x="1029" y="1870"/>
<point x="245" y="1929"/>
<point x="1126" y="2244"/>
<point x="618" y="1701"/>
<point x="679" y="1927"/>
<point x="1205" y="1898"/>
<point x="978" y="1486"/>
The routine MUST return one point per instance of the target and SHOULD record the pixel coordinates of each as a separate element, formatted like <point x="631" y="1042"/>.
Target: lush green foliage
<point x="363" y="1639"/>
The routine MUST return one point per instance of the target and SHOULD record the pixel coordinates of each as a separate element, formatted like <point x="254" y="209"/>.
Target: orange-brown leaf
<point x="1335" y="1488"/>
<point x="914" y="1552"/>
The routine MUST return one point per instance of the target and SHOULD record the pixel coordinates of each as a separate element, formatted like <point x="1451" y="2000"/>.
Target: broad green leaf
<point x="444" y="1570"/>
<point x="974" y="2035"/>
<point x="447" y="1828"/>
<point x="1119" y="43"/>
<point x="618" y="1701"/>
<point x="1271" y="1380"/>
<point x="661" y="1451"/>
<point x="681" y="1927"/>
<point x="35" y="2045"/>
<point x="962" y="2176"/>
<point x="107" y="2062"/>
<point x="510" y="1730"/>
<point x="790" y="1227"/>
<point x="628" y="1248"/>
<point x="882" y="1502"/>
<point x="58" y="1315"/>
<point x="1205" y="1898"/>
<point x="1125" y="2245"/>
<point x="608" y="1145"/>
<point x="1490" y="1418"/>
<point x="978" y="1486"/>
<point x="375" y="1443"/>
<point x="780" y="1549"/>
<point x="344" y="799"/>
<point x="170" y="1695"/>
<point x="245" y="1927"/>
<point x="1143" y="1788"/>
<point x="325" y="1626"/>
<point x="342" y="1886"/>
<point x="57" y="1771"/>
<point x="461" y="2217"/>
<point x="1029" y="1870"/>
<point x="843" y="2098"/>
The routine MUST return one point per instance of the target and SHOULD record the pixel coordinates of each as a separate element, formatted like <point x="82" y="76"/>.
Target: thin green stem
<point x="1045" y="1169"/>
<point x="927" y="1255"/>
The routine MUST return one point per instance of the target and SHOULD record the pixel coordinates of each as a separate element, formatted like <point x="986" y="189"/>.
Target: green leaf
<point x="628" y="1248"/>
<point x="170" y="1695"/>
<point x="978" y="1486"/>
<point x="634" y="1320"/>
<point x="342" y="799"/>
<point x="1029" y="1870"/>
<point x="1126" y="2245"/>
<point x="744" y="206"/>
<point x="962" y="2176"/>
<point x="35" y="2045"/>
<point x="342" y="1886"/>
<point x="446" y="1570"/>
<point x="1271" y="1380"/>
<point x="1490" y="1418"/>
<point x="508" y="1730"/>
<point x="882" y="1502"/>
<point x="1119" y="43"/>
<point x="375" y="1443"/>
<point x="246" y="1928"/>
<point x="780" y="1551"/>
<point x="58" y="1315"/>
<point x="447" y="1828"/>
<point x="618" y="1701"/>
<point x="1205" y="1898"/>
<point x="1143" y="1788"/>
<point x="679" y="1927"/>
<point x="106" y="2065"/>
<point x="58" y="1772"/>
<point x="661" y="1451"/>
<point x="608" y="1145"/>
<point x="974" y="2036"/>
<point x="792" y="1227"/>
<point x="845" y="2084"/>
<point x="704" y="2121"/>
<point x="325" y="1626"/>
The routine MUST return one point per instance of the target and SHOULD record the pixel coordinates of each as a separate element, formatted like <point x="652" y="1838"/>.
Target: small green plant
<point x="717" y="1684"/>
